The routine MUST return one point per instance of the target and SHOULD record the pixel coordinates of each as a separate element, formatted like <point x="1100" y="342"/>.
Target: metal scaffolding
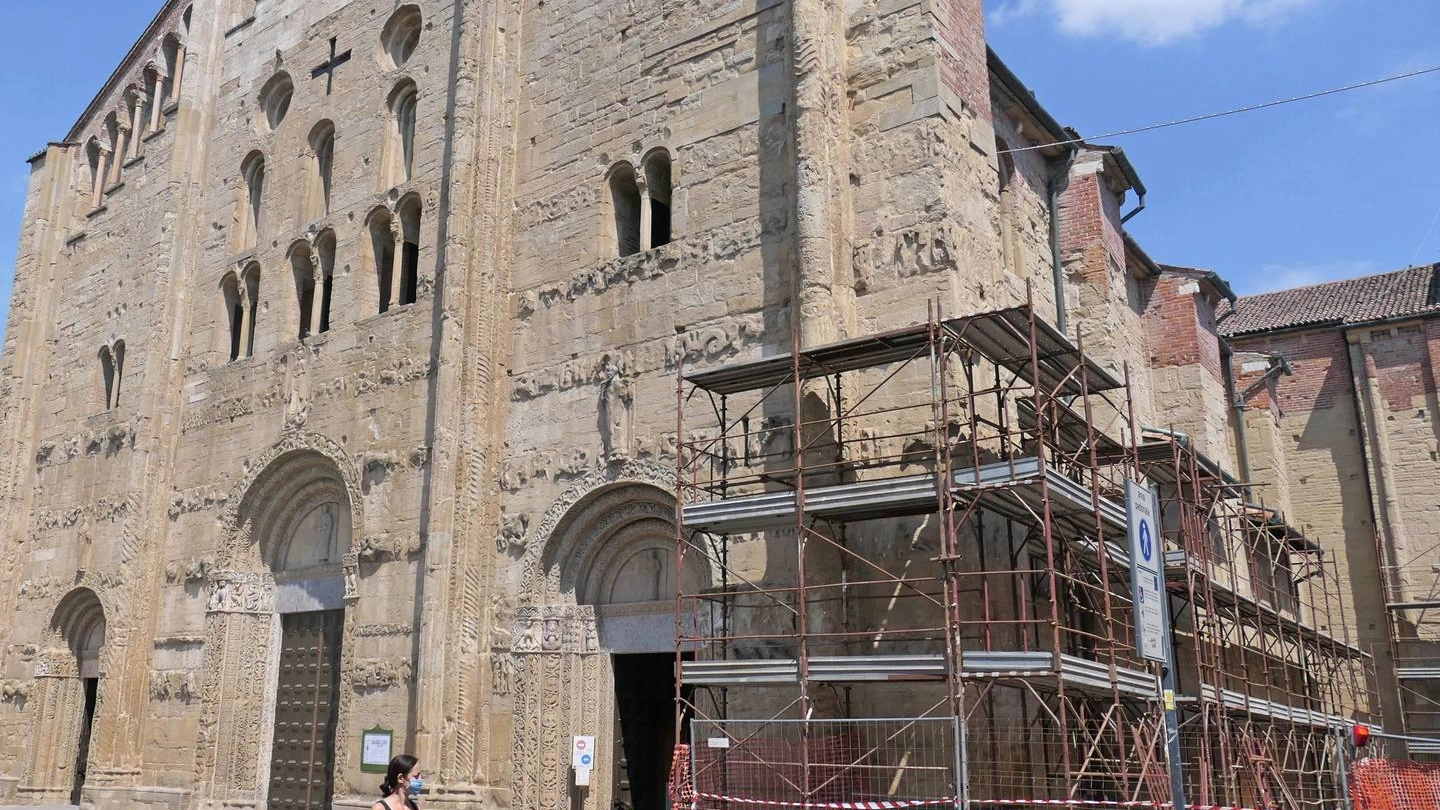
<point x="1269" y="680"/>
<point x="919" y="590"/>
<point x="1410" y="576"/>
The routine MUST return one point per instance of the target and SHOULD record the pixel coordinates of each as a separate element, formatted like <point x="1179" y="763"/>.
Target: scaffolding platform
<point x="1079" y="672"/>
<point x="903" y="496"/>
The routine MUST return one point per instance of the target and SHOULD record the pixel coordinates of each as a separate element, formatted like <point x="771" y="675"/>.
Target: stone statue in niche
<point x="617" y="403"/>
<point x="297" y="403"/>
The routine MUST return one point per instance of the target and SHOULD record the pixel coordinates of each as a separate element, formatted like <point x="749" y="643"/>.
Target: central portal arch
<point x="272" y="730"/>
<point x="595" y="647"/>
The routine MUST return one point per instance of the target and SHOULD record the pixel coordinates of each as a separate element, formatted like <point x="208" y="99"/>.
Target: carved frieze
<point x="56" y="664"/>
<point x="173" y="684"/>
<point x="380" y="673"/>
<point x="555" y="629"/>
<point x="241" y="592"/>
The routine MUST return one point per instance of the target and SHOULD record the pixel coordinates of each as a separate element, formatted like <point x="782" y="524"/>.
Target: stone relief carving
<point x="617" y="401"/>
<point x="196" y="499"/>
<point x="374" y="548"/>
<point x="502" y="673"/>
<point x="173" y="684"/>
<point x="56" y="664"/>
<point x="512" y="532"/>
<point x="240" y="592"/>
<point x="380" y="673"/>
<point x="184" y="572"/>
<point x="297" y="383"/>
<point x="376" y="630"/>
<point x="926" y="247"/>
<point x="14" y="691"/>
<point x="555" y="629"/>
<point x="102" y="509"/>
<point x="58" y="450"/>
<point x="350" y="569"/>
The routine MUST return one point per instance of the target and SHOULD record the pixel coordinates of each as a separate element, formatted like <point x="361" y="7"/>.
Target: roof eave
<point x="1024" y="96"/>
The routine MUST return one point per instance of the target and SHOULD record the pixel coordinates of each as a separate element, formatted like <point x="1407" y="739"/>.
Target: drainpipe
<point x="1052" y="189"/>
<point x="1139" y="205"/>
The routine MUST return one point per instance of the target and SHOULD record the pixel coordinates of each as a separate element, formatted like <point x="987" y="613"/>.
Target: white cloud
<point x="1273" y="277"/>
<point x="1147" y="22"/>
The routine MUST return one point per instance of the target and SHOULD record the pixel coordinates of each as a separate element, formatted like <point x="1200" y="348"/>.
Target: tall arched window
<point x="154" y="100"/>
<point x="402" y="133"/>
<point x="400" y="36"/>
<point x="107" y="375"/>
<point x="382" y="251"/>
<point x="409" y="250"/>
<point x="234" y="314"/>
<point x="118" y="352"/>
<point x="325" y="247"/>
<point x="625" y="198"/>
<point x="253" y="173"/>
<point x="322" y="167"/>
<point x="656" y="231"/>
<point x="304" y="271"/>
<point x="174" y="61"/>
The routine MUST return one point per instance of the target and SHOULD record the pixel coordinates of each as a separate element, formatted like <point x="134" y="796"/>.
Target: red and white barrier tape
<point x="903" y="803"/>
<point x="890" y="805"/>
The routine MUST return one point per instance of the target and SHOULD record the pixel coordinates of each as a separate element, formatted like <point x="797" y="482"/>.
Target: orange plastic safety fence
<point x="1388" y="784"/>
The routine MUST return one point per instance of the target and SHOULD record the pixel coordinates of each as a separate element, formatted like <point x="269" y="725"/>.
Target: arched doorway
<point x="69" y="676"/>
<point x="272" y="726"/>
<point x="595" y="647"/>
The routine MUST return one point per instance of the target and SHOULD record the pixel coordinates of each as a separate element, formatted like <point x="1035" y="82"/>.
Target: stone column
<point x="102" y="170"/>
<point x="317" y="296"/>
<point x="647" y="227"/>
<point x="156" y="102"/>
<point x="179" y="73"/>
<point x="59" y="699"/>
<point x="247" y="314"/>
<point x="137" y="124"/>
<point x="562" y="687"/>
<point x="397" y="260"/>
<point x="240" y="634"/>
<point x="817" y="65"/>
<point x="122" y="142"/>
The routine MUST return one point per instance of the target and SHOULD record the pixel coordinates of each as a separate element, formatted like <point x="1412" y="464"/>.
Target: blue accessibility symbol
<point x="1147" y="545"/>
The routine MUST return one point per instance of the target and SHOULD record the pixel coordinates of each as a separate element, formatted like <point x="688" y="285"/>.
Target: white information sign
<point x="1147" y="551"/>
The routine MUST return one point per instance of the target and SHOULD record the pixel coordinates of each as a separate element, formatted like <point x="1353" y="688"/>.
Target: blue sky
<point x="1341" y="186"/>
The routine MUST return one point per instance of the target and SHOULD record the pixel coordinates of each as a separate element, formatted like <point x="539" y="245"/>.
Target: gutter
<point x="1026" y="98"/>
<point x="1127" y="170"/>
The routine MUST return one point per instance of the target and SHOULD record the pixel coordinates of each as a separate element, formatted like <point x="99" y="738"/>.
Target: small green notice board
<point x="375" y="748"/>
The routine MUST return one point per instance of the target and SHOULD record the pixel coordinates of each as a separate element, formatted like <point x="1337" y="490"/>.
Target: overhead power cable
<point x="1209" y="116"/>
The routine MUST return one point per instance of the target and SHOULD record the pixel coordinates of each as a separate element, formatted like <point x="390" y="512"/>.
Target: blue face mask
<point x="415" y="785"/>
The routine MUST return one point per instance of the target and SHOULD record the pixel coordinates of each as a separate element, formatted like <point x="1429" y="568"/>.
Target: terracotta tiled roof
<point x="1412" y="291"/>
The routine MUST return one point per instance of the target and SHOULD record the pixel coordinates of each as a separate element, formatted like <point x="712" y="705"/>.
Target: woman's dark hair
<point x="399" y="766"/>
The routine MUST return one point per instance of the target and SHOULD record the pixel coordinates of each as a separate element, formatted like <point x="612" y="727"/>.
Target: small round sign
<point x="585" y="760"/>
<point x="580" y="744"/>
<point x="1147" y="545"/>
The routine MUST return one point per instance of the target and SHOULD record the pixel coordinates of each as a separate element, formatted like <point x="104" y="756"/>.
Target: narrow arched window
<point x="657" y="200"/>
<point x="325" y="247"/>
<point x="234" y="313"/>
<point x="118" y="352"/>
<point x="253" y="173"/>
<point x="322" y="167"/>
<point x="400" y="36"/>
<point x="402" y="133"/>
<point x="409" y="250"/>
<point x="107" y="375"/>
<point x="116" y="144"/>
<point x="134" y="121"/>
<point x="153" y="89"/>
<point x="382" y="251"/>
<point x="625" y="198"/>
<point x="304" y="271"/>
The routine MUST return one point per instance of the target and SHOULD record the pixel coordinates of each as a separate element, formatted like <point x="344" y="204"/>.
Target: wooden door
<point x="302" y="758"/>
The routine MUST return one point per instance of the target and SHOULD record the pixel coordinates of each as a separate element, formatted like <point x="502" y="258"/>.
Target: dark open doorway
<point x="645" y="739"/>
<point x="87" y="722"/>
